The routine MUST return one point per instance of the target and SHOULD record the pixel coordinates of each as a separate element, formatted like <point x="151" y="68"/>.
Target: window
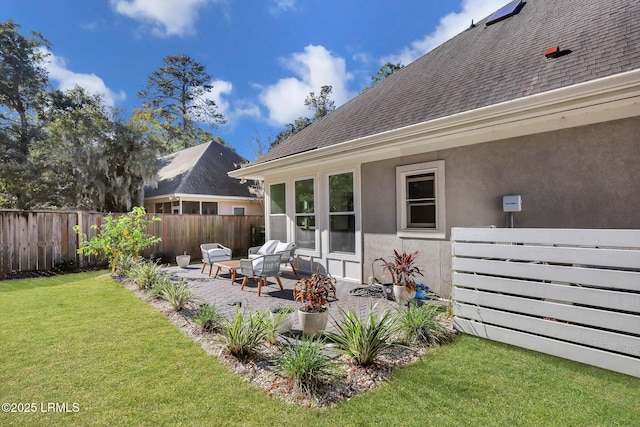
<point x="420" y="192"/>
<point x="305" y="214"/>
<point x="238" y="210"/>
<point x="210" y="208"/>
<point x="342" y="218"/>
<point x="277" y="212"/>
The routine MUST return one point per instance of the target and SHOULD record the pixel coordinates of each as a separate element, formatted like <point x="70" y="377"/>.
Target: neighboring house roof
<point x="199" y="170"/>
<point x="487" y="65"/>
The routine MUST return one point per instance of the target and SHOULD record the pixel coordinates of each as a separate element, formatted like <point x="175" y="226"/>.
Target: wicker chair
<point x="287" y="252"/>
<point x="213" y="252"/>
<point x="260" y="269"/>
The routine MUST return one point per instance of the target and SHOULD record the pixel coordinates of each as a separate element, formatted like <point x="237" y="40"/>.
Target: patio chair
<point x="287" y="252"/>
<point x="260" y="269"/>
<point x="213" y="252"/>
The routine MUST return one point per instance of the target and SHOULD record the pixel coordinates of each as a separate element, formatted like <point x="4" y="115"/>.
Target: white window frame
<point x="295" y="215"/>
<point x="244" y="210"/>
<point x="284" y="215"/>
<point x="402" y="172"/>
<point x="353" y="212"/>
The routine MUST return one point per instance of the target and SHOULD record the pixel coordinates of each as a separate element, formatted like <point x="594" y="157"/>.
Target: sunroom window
<point x="278" y="212"/>
<point x="342" y="218"/>
<point x="305" y="237"/>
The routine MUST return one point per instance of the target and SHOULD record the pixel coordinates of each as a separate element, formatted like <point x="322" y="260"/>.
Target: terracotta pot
<point x="313" y="323"/>
<point x="183" y="260"/>
<point x="403" y="294"/>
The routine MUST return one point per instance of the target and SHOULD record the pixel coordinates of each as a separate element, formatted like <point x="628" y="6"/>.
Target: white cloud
<point x="232" y="113"/>
<point x="449" y="26"/>
<point x="313" y="68"/>
<point x="67" y="79"/>
<point x="167" y="17"/>
<point x="283" y="5"/>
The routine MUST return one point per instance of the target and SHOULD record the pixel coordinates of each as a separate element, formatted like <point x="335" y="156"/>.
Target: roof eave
<point x="608" y="98"/>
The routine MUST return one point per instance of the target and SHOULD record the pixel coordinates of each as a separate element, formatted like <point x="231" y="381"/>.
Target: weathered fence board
<point x="36" y="240"/>
<point x="570" y="293"/>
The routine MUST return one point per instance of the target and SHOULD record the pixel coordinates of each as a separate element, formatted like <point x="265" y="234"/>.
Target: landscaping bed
<point x="261" y="370"/>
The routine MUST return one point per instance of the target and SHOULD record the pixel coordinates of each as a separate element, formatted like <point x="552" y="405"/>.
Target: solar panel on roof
<point x="505" y="12"/>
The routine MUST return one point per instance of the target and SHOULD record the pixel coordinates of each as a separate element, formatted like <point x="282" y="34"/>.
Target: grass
<point x="87" y="340"/>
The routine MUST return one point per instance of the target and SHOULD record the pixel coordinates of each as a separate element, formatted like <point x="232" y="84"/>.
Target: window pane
<point x="421" y="186"/>
<point x="278" y="227"/>
<point x="304" y="196"/>
<point x="277" y="193"/>
<point x="238" y="211"/>
<point x="342" y="233"/>
<point x="421" y="215"/>
<point x="210" y="208"/>
<point x="190" y="207"/>
<point x="341" y="192"/>
<point x="305" y="231"/>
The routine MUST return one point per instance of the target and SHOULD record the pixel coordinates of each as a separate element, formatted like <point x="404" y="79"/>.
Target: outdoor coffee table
<point x="231" y="266"/>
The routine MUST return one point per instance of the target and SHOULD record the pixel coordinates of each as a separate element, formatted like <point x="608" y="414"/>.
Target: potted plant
<point x="404" y="271"/>
<point x="183" y="260"/>
<point x="314" y="294"/>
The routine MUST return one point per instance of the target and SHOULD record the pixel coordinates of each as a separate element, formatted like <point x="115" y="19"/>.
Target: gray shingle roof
<point x="199" y="170"/>
<point x="486" y="65"/>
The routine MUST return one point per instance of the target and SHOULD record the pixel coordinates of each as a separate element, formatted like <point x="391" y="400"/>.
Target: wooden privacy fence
<point x="569" y="293"/>
<point x="36" y="240"/>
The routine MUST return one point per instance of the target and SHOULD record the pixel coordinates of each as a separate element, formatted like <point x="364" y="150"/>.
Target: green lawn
<point x="88" y="341"/>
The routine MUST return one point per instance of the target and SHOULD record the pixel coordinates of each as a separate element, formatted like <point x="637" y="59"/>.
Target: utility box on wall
<point x="512" y="203"/>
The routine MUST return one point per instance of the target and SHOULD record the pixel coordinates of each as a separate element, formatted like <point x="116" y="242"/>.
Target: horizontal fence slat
<point x="550" y="236"/>
<point x="569" y="313"/>
<point x="605" y="340"/>
<point x="604" y="359"/>
<point x="616" y="279"/>
<point x="552" y="290"/>
<point x="624" y="301"/>
<point x="568" y="255"/>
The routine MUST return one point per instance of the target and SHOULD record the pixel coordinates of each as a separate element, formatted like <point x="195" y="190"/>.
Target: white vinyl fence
<point x="570" y="293"/>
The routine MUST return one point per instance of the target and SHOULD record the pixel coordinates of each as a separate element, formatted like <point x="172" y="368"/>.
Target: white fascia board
<point x="609" y="98"/>
<point x="201" y="197"/>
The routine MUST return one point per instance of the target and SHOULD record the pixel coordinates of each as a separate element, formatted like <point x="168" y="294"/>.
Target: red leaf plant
<point x="403" y="269"/>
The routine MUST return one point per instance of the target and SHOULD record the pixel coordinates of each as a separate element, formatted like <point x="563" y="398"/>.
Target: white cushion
<point x="267" y="248"/>
<point x="218" y="255"/>
<point x="282" y="247"/>
<point x="217" y="252"/>
<point x="257" y="265"/>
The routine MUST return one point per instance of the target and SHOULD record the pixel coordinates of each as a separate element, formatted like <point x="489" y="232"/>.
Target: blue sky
<point x="264" y="56"/>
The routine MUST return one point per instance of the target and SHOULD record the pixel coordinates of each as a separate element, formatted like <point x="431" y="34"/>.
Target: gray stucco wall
<point x="586" y="177"/>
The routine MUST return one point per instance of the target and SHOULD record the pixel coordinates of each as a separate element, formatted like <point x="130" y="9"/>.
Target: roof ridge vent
<point x="505" y="12"/>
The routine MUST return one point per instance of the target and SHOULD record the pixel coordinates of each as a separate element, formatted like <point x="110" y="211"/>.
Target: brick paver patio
<point x="222" y="293"/>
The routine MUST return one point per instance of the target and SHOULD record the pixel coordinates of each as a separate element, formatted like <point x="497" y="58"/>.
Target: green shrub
<point x="177" y="294"/>
<point x="244" y="336"/>
<point x="277" y="322"/>
<point x="364" y="341"/>
<point x="124" y="235"/>
<point x="145" y="274"/>
<point x="164" y="257"/>
<point x="423" y="324"/>
<point x="209" y="318"/>
<point x="160" y="286"/>
<point x="308" y="364"/>
<point x="65" y="263"/>
<point x="125" y="264"/>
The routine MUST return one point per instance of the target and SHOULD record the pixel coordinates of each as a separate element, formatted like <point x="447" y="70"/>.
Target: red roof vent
<point x="553" y="52"/>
